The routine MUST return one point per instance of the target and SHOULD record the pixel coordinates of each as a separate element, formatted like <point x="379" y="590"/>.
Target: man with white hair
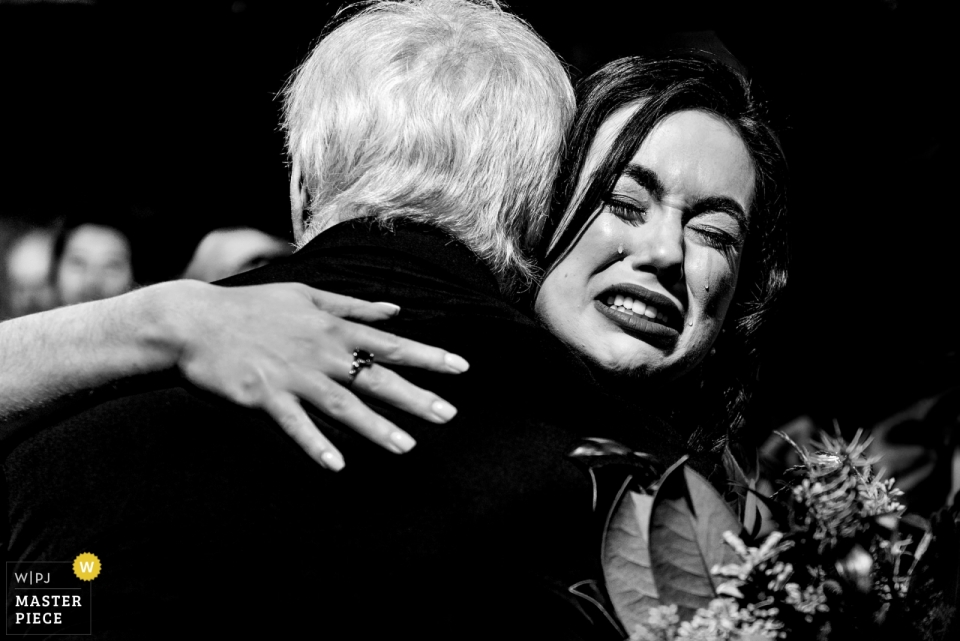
<point x="447" y="113"/>
<point x="424" y="137"/>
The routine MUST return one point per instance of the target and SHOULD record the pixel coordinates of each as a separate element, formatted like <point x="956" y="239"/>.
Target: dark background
<point x="167" y="110"/>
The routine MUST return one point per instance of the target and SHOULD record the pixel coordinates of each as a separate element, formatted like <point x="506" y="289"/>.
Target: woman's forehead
<point x="694" y="135"/>
<point x="698" y="154"/>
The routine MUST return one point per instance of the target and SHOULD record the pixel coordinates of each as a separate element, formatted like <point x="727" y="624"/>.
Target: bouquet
<point x="836" y="556"/>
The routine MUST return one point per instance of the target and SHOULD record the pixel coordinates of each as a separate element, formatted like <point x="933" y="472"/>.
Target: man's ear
<point x="299" y="201"/>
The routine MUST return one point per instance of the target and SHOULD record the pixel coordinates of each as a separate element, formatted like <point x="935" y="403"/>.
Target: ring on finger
<point x="361" y="359"/>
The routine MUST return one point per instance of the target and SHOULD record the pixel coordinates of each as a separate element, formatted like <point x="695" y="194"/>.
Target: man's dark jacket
<point x="207" y="518"/>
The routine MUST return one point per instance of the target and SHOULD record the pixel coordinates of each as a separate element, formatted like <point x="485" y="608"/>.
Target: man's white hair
<point x="449" y="112"/>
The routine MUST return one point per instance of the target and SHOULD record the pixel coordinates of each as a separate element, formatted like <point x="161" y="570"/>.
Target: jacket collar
<point x="428" y="244"/>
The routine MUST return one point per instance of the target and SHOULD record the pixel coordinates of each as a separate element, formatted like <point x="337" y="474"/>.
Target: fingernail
<point x="390" y="307"/>
<point x="403" y="441"/>
<point x="456" y="363"/>
<point x="443" y="410"/>
<point x="333" y="460"/>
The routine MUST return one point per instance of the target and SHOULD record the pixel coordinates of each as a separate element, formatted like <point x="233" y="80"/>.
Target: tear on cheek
<point x="722" y="292"/>
<point x="721" y="286"/>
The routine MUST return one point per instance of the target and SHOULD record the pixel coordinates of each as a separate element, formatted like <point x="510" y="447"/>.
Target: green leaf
<point x="626" y="559"/>
<point x="687" y="524"/>
<point x="744" y="484"/>
<point x="713" y="518"/>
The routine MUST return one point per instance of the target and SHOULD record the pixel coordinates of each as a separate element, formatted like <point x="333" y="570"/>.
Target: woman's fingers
<point x="289" y="415"/>
<point x="349" y="307"/>
<point x="339" y="403"/>
<point x="388" y="386"/>
<point x="387" y="348"/>
<point x="394" y="350"/>
<point x="275" y="346"/>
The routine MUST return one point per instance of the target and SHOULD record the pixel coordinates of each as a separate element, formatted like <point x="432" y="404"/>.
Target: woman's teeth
<point x="627" y="305"/>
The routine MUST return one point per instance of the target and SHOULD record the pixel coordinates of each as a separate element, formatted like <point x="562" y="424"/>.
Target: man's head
<point x="449" y="112"/>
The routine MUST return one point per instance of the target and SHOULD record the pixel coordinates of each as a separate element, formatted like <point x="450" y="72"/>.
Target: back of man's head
<point x="450" y="112"/>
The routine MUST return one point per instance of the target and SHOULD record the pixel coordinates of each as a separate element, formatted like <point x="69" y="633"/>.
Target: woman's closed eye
<point x="717" y="230"/>
<point x="626" y="209"/>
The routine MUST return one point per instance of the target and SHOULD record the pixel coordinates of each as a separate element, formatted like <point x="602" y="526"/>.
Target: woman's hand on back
<point x="274" y="346"/>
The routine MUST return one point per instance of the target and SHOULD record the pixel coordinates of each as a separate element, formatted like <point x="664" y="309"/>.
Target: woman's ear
<point x="299" y="201"/>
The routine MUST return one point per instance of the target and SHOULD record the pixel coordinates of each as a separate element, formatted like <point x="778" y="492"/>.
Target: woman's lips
<point x="649" y="330"/>
<point x="632" y="297"/>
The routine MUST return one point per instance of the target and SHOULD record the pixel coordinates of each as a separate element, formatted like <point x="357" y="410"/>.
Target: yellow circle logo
<point x="86" y="566"/>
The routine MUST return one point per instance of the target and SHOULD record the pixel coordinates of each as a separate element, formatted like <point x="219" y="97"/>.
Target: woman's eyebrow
<point x="646" y="178"/>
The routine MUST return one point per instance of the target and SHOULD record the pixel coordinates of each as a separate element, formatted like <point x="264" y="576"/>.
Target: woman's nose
<point x="658" y="247"/>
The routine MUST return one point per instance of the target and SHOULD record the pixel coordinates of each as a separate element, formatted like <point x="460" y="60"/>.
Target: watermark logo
<point x="86" y="566"/>
<point x="51" y="598"/>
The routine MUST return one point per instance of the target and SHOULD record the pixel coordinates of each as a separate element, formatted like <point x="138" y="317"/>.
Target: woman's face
<point x="646" y="288"/>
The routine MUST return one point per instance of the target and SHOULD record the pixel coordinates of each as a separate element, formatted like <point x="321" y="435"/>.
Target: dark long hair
<point x="661" y="87"/>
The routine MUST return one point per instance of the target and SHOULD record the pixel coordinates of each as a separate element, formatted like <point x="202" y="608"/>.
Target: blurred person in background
<point x="229" y="251"/>
<point x="93" y="260"/>
<point x="28" y="273"/>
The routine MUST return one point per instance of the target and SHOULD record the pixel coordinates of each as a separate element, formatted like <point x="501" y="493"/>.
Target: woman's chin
<point x="635" y="359"/>
<point x="627" y="356"/>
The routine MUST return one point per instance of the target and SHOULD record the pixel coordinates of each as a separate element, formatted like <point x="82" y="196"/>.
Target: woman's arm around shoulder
<point x="268" y="347"/>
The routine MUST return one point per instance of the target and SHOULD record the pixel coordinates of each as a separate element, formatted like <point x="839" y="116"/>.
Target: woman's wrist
<point x="165" y="323"/>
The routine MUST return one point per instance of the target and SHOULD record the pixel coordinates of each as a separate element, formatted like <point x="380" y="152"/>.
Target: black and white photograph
<point x="470" y="319"/>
